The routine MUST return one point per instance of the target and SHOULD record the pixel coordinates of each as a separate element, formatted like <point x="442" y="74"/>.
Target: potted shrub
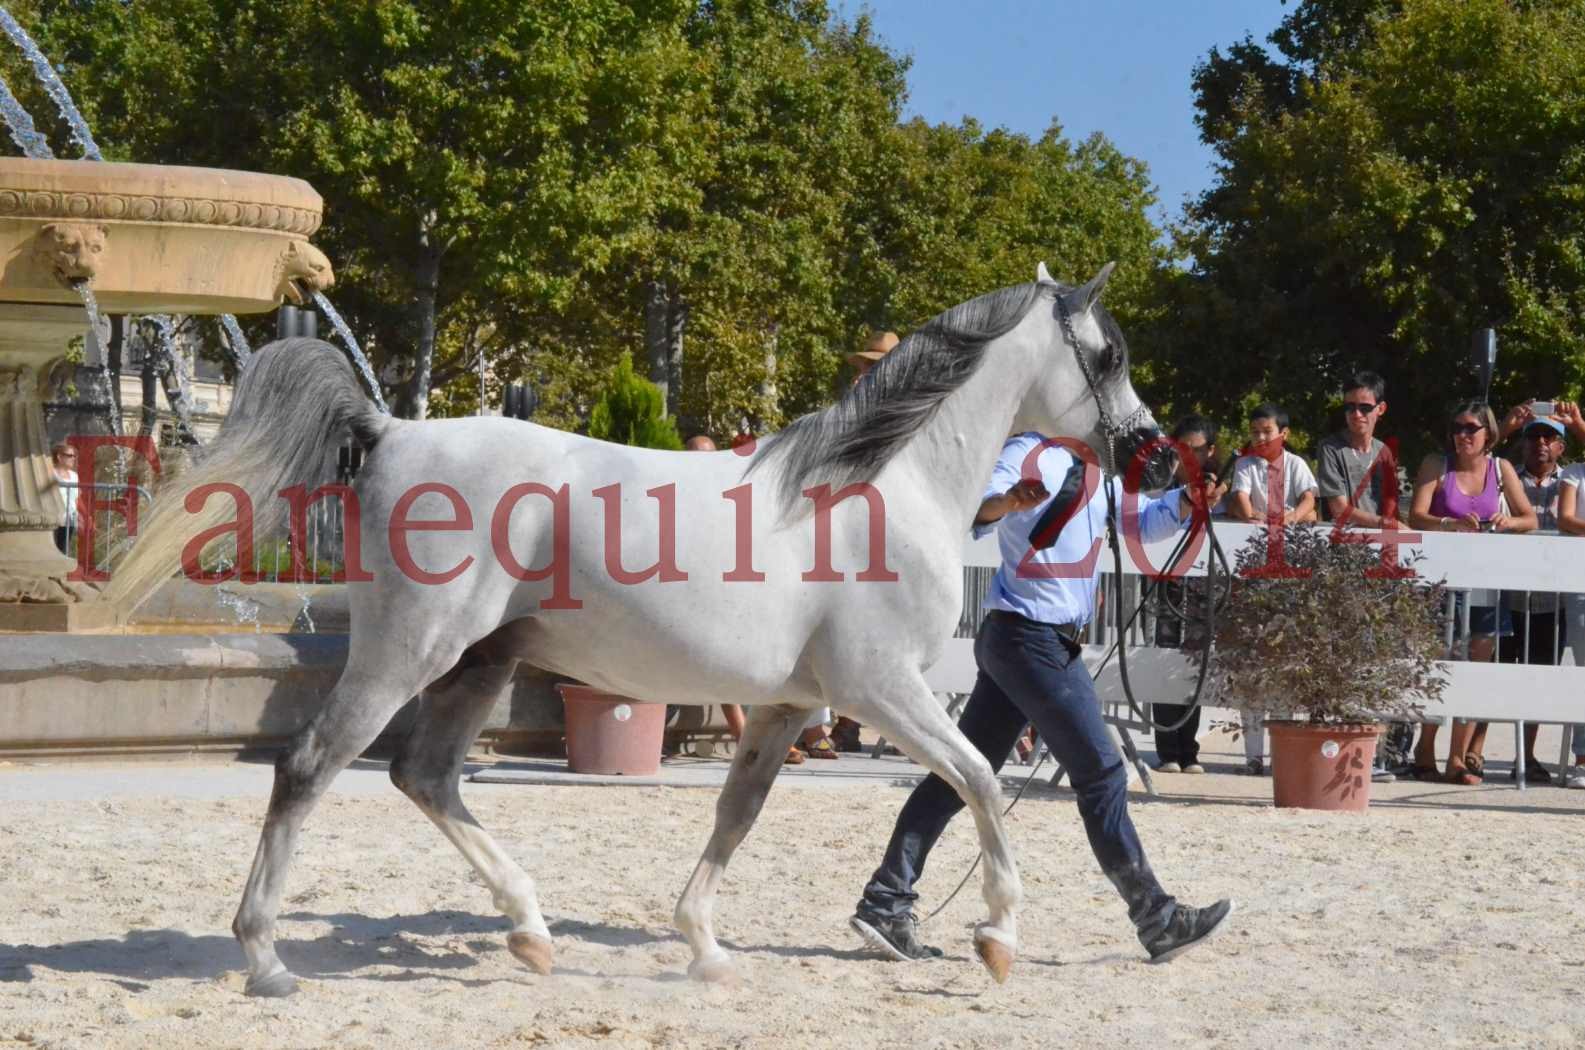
<point x="1326" y="646"/>
<point x="607" y="732"/>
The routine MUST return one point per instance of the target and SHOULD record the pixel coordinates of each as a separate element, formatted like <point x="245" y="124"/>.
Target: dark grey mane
<point x="853" y="439"/>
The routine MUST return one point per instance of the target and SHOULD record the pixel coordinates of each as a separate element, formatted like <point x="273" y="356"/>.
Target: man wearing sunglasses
<point x="1354" y="484"/>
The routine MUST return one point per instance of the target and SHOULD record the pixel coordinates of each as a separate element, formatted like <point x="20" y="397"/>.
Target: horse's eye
<point x="1109" y="358"/>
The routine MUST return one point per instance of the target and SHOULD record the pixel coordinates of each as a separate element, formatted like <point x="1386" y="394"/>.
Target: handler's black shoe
<point x="897" y="939"/>
<point x="1186" y="928"/>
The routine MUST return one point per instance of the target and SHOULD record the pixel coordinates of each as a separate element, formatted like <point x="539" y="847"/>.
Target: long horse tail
<point x="296" y="402"/>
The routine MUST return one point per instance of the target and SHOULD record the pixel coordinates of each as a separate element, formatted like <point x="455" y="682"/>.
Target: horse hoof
<point x="997" y="957"/>
<point x="531" y="950"/>
<point x="713" y="969"/>
<point x="277" y="985"/>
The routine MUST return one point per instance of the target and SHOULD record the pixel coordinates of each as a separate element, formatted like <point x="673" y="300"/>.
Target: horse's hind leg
<point x="760" y="754"/>
<point x="375" y="684"/>
<point x="428" y="769"/>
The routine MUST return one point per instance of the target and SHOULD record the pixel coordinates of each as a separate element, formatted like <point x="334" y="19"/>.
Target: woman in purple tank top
<point x="1463" y="491"/>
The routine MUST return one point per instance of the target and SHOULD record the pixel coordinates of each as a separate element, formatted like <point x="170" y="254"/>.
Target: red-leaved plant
<point x="1331" y="642"/>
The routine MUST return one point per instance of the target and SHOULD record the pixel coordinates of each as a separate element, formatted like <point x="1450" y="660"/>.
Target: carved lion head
<point x="303" y="270"/>
<point x="71" y="250"/>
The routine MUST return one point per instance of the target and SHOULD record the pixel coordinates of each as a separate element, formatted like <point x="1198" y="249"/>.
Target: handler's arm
<point x="1027" y="493"/>
<point x="1160" y="518"/>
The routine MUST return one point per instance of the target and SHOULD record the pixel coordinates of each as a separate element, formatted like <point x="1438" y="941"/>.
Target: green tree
<point x="509" y="183"/>
<point x="964" y="210"/>
<point x="468" y="152"/>
<point x="1396" y="176"/>
<point x="631" y="411"/>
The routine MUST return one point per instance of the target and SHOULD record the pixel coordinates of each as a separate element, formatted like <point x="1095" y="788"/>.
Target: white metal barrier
<point x="1488" y="692"/>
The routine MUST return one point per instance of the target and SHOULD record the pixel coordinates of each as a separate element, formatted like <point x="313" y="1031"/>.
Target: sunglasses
<point x="1467" y="429"/>
<point x="1542" y="435"/>
<point x="1364" y="408"/>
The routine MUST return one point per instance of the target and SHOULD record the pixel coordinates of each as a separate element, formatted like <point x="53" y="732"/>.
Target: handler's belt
<point x="1069" y="631"/>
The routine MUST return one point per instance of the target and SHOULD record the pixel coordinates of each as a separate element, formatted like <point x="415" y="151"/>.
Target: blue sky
<point x="1121" y="68"/>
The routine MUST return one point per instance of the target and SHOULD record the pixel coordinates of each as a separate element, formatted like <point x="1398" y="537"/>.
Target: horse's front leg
<point x="760" y="754"/>
<point x="905" y="711"/>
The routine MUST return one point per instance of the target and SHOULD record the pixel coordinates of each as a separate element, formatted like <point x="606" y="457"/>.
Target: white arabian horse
<point x="779" y="596"/>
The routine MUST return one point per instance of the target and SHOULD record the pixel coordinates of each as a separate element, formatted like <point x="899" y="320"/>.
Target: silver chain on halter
<point x="1111" y="429"/>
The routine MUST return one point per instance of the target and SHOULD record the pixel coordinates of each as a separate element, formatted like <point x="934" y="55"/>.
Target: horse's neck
<point x="956" y="451"/>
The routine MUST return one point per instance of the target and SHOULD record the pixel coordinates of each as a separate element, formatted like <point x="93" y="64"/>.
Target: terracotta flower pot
<point x="1322" y="766"/>
<point x="611" y="734"/>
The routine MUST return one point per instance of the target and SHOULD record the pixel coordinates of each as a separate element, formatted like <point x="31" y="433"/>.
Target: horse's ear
<point x="1043" y="275"/>
<point x="1086" y="297"/>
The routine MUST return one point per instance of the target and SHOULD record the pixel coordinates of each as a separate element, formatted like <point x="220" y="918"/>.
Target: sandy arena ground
<point x="1446" y="918"/>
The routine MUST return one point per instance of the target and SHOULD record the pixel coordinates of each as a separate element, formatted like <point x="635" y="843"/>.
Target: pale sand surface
<point x="1445" y="918"/>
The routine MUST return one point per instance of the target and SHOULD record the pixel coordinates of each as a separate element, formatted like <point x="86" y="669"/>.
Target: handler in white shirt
<point x="1031" y="669"/>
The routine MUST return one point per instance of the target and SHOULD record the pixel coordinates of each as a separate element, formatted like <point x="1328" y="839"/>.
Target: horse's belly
<point x="698" y="665"/>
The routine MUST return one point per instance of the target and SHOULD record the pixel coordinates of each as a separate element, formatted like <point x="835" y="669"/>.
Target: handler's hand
<point x="1204" y="496"/>
<point x="1026" y="494"/>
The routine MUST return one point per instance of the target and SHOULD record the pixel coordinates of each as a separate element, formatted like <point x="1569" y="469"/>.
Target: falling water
<point x="85" y="292"/>
<point x="102" y="370"/>
<point x="354" y="353"/>
<point x="304" y="622"/>
<point x="240" y="350"/>
<point x="242" y="609"/>
<point x="33" y="143"/>
<point x="181" y="404"/>
<point x="52" y="84"/>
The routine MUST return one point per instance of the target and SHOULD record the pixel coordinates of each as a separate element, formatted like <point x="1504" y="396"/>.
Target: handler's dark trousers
<point x="1029" y="672"/>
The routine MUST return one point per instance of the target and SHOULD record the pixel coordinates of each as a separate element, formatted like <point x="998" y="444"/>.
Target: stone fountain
<point x="143" y="239"/>
<point x="84" y="235"/>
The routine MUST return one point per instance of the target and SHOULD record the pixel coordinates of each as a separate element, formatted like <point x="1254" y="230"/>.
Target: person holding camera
<point x="1571" y="522"/>
<point x="1540" y="628"/>
<point x="1464" y="490"/>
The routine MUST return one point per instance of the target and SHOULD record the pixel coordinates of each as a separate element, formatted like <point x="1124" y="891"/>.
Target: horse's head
<point x="1086" y="392"/>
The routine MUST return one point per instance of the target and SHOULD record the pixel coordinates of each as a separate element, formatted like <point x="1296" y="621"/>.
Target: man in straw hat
<point x="880" y="344"/>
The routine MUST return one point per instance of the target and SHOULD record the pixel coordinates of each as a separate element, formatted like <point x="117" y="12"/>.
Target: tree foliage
<point x="1398" y="174"/>
<point x="632" y="411"/>
<point x="510" y="180"/>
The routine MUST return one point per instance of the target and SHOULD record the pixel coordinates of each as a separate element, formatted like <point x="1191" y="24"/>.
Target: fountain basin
<point x="155" y="239"/>
<point x="159" y="693"/>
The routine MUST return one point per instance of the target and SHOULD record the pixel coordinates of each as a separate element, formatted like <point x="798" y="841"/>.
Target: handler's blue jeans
<point x="1030" y="673"/>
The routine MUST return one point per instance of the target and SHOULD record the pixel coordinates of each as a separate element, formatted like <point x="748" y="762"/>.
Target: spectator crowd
<point x="1492" y="476"/>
